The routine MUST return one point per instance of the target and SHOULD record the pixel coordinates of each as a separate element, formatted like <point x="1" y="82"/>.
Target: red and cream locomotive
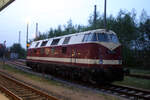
<point x="93" y="56"/>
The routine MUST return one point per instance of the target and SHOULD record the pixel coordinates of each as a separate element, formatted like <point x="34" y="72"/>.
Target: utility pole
<point x="27" y="35"/>
<point x="95" y="17"/>
<point x="4" y="52"/>
<point x="105" y="22"/>
<point x="19" y="37"/>
<point x="36" y="34"/>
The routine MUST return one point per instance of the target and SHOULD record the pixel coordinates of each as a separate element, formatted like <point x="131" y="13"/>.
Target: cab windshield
<point x="101" y="37"/>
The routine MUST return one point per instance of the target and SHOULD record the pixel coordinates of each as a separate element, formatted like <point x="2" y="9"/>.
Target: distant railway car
<point x="93" y="56"/>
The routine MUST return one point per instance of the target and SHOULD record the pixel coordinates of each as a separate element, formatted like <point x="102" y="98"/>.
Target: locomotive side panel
<point x="72" y="54"/>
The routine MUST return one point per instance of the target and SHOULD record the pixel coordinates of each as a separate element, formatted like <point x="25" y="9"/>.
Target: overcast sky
<point x="51" y="13"/>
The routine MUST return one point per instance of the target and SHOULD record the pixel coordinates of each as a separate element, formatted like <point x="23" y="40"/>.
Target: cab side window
<point x="44" y="43"/>
<point x="90" y="37"/>
<point x="66" y="41"/>
<point x="64" y="50"/>
<point x="55" y="41"/>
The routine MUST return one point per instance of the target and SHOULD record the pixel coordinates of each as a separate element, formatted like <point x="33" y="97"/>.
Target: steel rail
<point x="139" y="76"/>
<point x="18" y="64"/>
<point x="41" y="93"/>
<point x="129" y="91"/>
<point x="9" y="93"/>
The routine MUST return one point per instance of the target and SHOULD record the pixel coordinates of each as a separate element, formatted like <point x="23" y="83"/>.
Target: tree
<point x="93" y="19"/>
<point x="144" y="41"/>
<point x="143" y="17"/>
<point x="51" y="33"/>
<point x="41" y="36"/>
<point x="16" y="48"/>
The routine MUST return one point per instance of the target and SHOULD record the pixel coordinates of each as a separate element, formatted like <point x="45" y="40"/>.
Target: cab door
<point x="73" y="55"/>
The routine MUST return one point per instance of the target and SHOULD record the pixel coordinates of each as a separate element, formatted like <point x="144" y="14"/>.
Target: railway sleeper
<point x="32" y="97"/>
<point x="22" y="89"/>
<point x="148" y="96"/>
<point x="13" y="87"/>
<point x="26" y="94"/>
<point x="21" y="92"/>
<point x="10" y="88"/>
<point x="41" y="98"/>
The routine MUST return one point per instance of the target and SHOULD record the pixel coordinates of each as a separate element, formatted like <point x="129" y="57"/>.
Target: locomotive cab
<point x="108" y="37"/>
<point x="107" y="50"/>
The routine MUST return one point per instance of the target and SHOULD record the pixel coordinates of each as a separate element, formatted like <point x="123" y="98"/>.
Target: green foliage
<point x="125" y="27"/>
<point x="16" y="48"/>
<point x="41" y="36"/>
<point x="135" y="82"/>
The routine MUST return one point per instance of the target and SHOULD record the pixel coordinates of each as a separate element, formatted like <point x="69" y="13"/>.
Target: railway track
<point x="20" y="65"/>
<point x="22" y="62"/>
<point x="123" y="91"/>
<point x="140" y="76"/>
<point x="17" y="90"/>
<point x="19" y="62"/>
<point x="127" y="92"/>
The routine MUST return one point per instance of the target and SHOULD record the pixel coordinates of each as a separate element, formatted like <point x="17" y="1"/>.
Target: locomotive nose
<point x="110" y="52"/>
<point x="111" y="46"/>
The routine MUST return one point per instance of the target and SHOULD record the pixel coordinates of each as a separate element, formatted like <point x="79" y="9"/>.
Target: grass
<point x="31" y="76"/>
<point x="139" y="71"/>
<point x="135" y="82"/>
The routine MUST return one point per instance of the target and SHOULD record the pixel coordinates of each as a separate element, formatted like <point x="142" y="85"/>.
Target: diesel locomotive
<point x="93" y="56"/>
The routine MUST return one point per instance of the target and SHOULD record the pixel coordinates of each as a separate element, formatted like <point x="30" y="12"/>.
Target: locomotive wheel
<point x="38" y="68"/>
<point x="91" y="80"/>
<point x="34" y="69"/>
<point x="97" y="77"/>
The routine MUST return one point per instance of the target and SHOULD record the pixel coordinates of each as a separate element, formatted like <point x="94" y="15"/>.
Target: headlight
<point x="111" y="52"/>
<point x="100" y="61"/>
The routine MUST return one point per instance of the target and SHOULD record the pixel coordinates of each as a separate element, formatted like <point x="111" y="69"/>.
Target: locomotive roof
<point x="77" y="38"/>
<point x="86" y="32"/>
<point x="93" y="31"/>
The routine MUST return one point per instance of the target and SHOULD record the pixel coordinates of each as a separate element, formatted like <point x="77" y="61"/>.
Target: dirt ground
<point x="64" y="92"/>
<point x="3" y="97"/>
